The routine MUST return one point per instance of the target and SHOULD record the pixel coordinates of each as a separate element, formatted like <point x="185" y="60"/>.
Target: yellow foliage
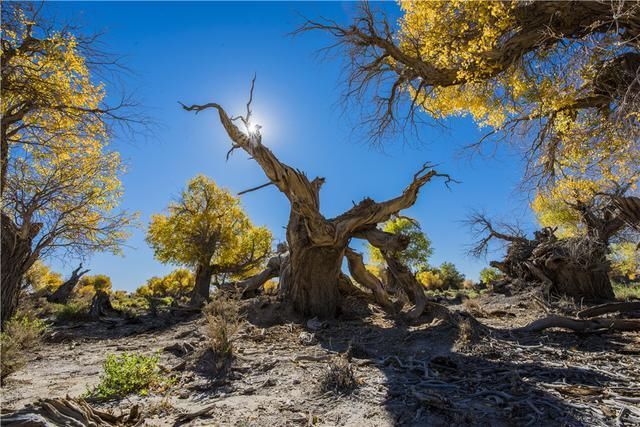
<point x="430" y="280"/>
<point x="59" y="170"/>
<point x="463" y="41"/>
<point x="42" y="279"/>
<point x="89" y="285"/>
<point x="207" y="226"/>
<point x="271" y="287"/>
<point x="625" y="260"/>
<point x="176" y="284"/>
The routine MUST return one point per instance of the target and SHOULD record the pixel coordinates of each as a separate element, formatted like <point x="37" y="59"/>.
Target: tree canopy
<point x="565" y="77"/>
<point x="206" y="226"/>
<point x="417" y="253"/>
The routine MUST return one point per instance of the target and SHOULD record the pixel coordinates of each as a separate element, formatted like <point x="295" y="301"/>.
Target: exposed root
<point x="70" y="412"/>
<point x="617" y="307"/>
<point x="582" y="325"/>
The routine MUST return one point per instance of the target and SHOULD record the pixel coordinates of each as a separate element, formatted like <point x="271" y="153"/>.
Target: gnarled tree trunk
<point x="310" y="276"/>
<point x="16" y="258"/>
<point x="313" y="290"/>
<point x="62" y="294"/>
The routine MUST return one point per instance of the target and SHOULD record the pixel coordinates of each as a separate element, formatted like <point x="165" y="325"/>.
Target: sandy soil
<point x="423" y="373"/>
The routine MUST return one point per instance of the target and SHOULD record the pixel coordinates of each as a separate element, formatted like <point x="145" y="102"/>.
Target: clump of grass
<point x="21" y="334"/>
<point x="129" y="373"/>
<point x="223" y="323"/>
<point x="624" y="292"/>
<point x="73" y="311"/>
<point x="339" y="378"/>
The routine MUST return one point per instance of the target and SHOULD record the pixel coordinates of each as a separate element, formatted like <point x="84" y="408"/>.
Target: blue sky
<point x="203" y="52"/>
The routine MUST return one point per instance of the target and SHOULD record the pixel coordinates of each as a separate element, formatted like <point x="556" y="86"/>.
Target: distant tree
<point x="490" y="274"/>
<point x="206" y="229"/>
<point x="430" y="279"/>
<point x="446" y="276"/>
<point x="451" y="277"/>
<point x="416" y="255"/>
<point x="177" y="285"/>
<point x="625" y="260"/>
<point x="59" y="182"/>
<point x="91" y="285"/>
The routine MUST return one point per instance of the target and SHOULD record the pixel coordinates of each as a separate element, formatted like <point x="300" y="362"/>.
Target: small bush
<point x="430" y="279"/>
<point x="489" y="275"/>
<point x="223" y="323"/>
<point x="626" y="292"/>
<point x="340" y="377"/>
<point x="468" y="285"/>
<point x="128" y="373"/>
<point x="21" y="335"/>
<point x="73" y="311"/>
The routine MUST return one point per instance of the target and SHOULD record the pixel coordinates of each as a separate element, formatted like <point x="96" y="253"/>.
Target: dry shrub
<point x="339" y="378"/>
<point x="473" y="308"/>
<point x="468" y="284"/>
<point x="20" y="336"/>
<point x="223" y="323"/>
<point x="161" y="408"/>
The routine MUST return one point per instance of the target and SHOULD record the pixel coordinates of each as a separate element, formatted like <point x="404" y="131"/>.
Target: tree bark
<point x="368" y="279"/>
<point x="62" y="294"/>
<point x="315" y="271"/>
<point x="200" y="293"/>
<point x="16" y="258"/>
<point x="250" y="286"/>
<point x="589" y="283"/>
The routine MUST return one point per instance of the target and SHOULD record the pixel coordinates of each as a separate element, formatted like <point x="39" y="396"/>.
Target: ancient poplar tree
<point x="59" y="181"/>
<point x="310" y="272"/>
<point x="207" y="229"/>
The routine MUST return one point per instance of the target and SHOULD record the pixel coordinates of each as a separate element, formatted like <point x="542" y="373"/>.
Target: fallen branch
<point x="616" y="307"/>
<point x="185" y="418"/>
<point x="582" y="325"/>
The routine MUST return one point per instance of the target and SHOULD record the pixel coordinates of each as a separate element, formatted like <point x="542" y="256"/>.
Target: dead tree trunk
<point x="101" y="306"/>
<point x="200" y="293"/>
<point x="16" y="258"/>
<point x="62" y="294"/>
<point x="576" y="267"/>
<point x="310" y="278"/>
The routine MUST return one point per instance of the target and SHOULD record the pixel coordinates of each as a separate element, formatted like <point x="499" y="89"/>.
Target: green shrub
<point x="490" y="274"/>
<point x="128" y="373"/>
<point x="71" y="311"/>
<point x="626" y="292"/>
<point x="21" y="334"/>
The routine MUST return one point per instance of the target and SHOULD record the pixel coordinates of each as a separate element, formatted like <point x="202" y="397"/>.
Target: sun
<point x="253" y="128"/>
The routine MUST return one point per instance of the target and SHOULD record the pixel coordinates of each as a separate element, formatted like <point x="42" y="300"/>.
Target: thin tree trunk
<point x="200" y="293"/>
